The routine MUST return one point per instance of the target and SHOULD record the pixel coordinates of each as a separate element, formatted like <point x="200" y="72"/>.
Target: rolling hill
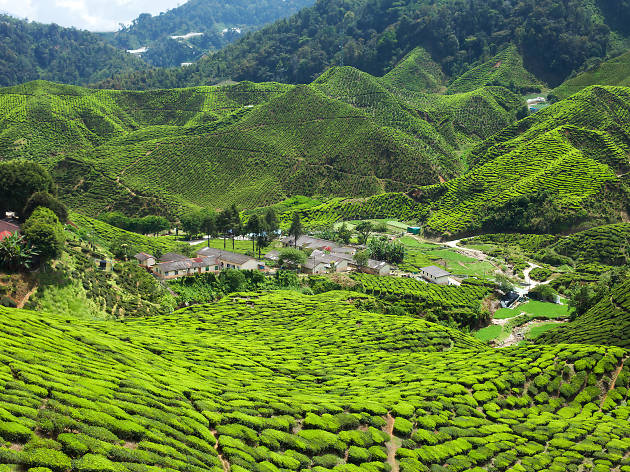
<point x="547" y="173"/>
<point x="251" y="144"/>
<point x="198" y="27"/>
<point x="32" y="51"/>
<point x="283" y="381"/>
<point x="615" y="71"/>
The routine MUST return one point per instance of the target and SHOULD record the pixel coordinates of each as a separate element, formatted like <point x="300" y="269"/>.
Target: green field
<point x="536" y="331"/>
<point x="489" y="333"/>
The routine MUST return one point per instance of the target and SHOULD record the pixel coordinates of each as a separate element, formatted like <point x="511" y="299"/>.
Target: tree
<point x="383" y="250"/>
<point x="291" y="258"/>
<point x="296" y="227"/>
<point x="364" y="229"/>
<point x="16" y="253"/>
<point x="263" y="239"/>
<point x="361" y="258"/>
<point x="124" y="247"/>
<point x="153" y="224"/>
<point x="253" y="228"/>
<point x="208" y="223"/>
<point x="44" y="232"/>
<point x="236" y="225"/>
<point x="504" y="284"/>
<point x="271" y="221"/>
<point x="544" y="293"/>
<point x="344" y="234"/>
<point x="19" y="179"/>
<point x="192" y="222"/>
<point x="46" y="200"/>
<point x="222" y="223"/>
<point x="233" y="279"/>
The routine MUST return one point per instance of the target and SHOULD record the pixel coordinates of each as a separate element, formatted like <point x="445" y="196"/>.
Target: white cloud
<point x="94" y="15"/>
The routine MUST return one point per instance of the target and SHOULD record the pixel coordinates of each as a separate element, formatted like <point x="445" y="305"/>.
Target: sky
<point x="92" y="15"/>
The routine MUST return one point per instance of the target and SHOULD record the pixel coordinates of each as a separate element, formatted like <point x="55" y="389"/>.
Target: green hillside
<point x="250" y="144"/>
<point x="505" y="69"/>
<point x="608" y="244"/>
<point x="32" y="51"/>
<point x="291" y="382"/>
<point x="213" y="25"/>
<point x="418" y="72"/>
<point x="554" y="38"/>
<point x="615" y="71"/>
<point x="608" y="322"/>
<point x="546" y="173"/>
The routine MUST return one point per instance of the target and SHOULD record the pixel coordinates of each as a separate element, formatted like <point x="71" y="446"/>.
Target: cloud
<point x="93" y="15"/>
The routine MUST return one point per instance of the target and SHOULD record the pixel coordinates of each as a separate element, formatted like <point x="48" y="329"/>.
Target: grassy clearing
<point x="543" y="309"/>
<point x="489" y="333"/>
<point x="537" y="330"/>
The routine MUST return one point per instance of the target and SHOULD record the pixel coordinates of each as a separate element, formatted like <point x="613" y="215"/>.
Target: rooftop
<point x="435" y="271"/>
<point x="143" y="256"/>
<point x="172" y="256"/>
<point x="228" y="256"/>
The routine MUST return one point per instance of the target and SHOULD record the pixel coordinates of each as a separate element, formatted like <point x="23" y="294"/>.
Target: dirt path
<point x="518" y="334"/>
<point x="393" y="444"/>
<point x="613" y="380"/>
<point x="26" y="297"/>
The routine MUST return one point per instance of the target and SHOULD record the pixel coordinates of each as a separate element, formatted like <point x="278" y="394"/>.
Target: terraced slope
<point x="250" y="144"/>
<point x="608" y="244"/>
<point x="548" y="172"/>
<point x="615" y="71"/>
<point x="608" y="322"/>
<point x="505" y="69"/>
<point x="291" y="382"/>
<point x="418" y="72"/>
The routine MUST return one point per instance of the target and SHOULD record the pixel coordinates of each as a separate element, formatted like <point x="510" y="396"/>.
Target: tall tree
<point x="208" y="223"/>
<point x="45" y="199"/>
<point x="253" y="228"/>
<point x="45" y="233"/>
<point x="19" y="179"/>
<point x="191" y="223"/>
<point x="296" y="229"/>
<point x="364" y="229"/>
<point x="236" y="225"/>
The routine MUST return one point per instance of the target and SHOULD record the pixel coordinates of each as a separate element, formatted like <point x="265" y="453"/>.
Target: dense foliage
<point x="218" y="22"/>
<point x="554" y="37"/>
<point x="32" y="51"/>
<point x="285" y="381"/>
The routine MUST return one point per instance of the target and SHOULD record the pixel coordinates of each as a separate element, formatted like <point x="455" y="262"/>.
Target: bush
<point x="95" y="463"/>
<point x="543" y="293"/>
<point x="15" y="432"/>
<point x="54" y="460"/>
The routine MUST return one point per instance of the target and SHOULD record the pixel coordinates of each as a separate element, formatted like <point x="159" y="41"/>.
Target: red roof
<point x="5" y="234"/>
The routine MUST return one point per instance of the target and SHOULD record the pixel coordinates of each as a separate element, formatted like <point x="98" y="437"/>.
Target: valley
<point x="326" y="236"/>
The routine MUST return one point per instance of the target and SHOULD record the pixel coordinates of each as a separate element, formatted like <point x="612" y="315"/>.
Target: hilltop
<point x="32" y="51"/>
<point x="198" y="27"/>
<point x="347" y="134"/>
<point x="293" y="382"/>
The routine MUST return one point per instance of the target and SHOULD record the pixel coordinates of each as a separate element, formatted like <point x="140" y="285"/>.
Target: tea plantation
<point x="608" y="322"/>
<point x="347" y="134"/>
<point x="546" y="173"/>
<point x="615" y="71"/>
<point x="288" y="382"/>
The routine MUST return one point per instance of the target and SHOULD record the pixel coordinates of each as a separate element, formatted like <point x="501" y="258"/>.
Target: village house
<point x="183" y="268"/>
<point x="377" y="267"/>
<point x="231" y="260"/>
<point x="435" y="274"/>
<point x="145" y="260"/>
<point x="309" y="242"/>
<point x="320" y="262"/>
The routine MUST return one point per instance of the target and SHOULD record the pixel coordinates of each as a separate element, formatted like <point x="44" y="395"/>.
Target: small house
<point x="309" y="242"/>
<point x="231" y="260"/>
<point x="435" y="274"/>
<point x="320" y="262"/>
<point x="145" y="260"/>
<point x="377" y="267"/>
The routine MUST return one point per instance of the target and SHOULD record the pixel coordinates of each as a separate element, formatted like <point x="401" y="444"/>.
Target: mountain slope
<point x="546" y="173"/>
<point x="292" y="382"/>
<point x="505" y="69"/>
<point x="615" y="71"/>
<point x="32" y="51"/>
<point x="250" y="144"/>
<point x="197" y="27"/>
<point x="608" y="322"/>
<point x="554" y="38"/>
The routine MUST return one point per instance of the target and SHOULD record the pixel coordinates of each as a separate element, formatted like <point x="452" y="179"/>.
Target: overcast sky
<point x="93" y="15"/>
